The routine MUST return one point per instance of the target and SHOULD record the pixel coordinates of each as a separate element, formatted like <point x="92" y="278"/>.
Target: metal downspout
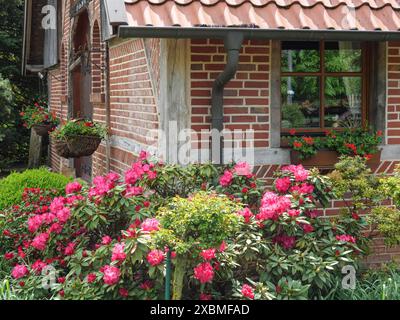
<point x="232" y="43"/>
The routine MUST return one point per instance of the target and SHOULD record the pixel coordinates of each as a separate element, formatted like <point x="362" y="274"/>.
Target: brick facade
<point x="134" y="73"/>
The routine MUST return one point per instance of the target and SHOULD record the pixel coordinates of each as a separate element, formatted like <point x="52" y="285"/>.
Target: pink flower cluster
<point x="246" y="214"/>
<point x="302" y="189"/>
<point x="247" y="291"/>
<point x="40" y="241"/>
<point x="111" y="275"/>
<point x="346" y="238"/>
<point x="226" y="179"/>
<point x="150" y="225"/>
<point x="103" y="184"/>
<point x="204" y="272"/>
<point x="118" y="253"/>
<point x="300" y="174"/>
<point x="272" y="206"/>
<point x="19" y="271"/>
<point x="208" y="254"/>
<point x="155" y="257"/>
<point x="138" y="171"/>
<point x="73" y="187"/>
<point x="243" y="169"/>
<point x="283" y="184"/>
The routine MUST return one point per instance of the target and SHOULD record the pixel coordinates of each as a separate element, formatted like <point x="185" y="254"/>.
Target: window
<point x="323" y="85"/>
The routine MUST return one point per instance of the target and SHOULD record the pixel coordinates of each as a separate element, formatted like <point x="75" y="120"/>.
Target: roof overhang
<point x="255" y="33"/>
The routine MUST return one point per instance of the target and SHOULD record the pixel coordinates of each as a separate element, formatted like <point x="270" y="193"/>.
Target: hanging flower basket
<point x="83" y="146"/>
<point x="42" y="129"/>
<point x="39" y="118"/>
<point x="78" y="138"/>
<point x="61" y="148"/>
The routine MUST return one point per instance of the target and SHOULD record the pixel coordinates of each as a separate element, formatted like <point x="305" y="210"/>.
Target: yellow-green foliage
<point x="390" y="186"/>
<point x="13" y="186"/>
<point x="201" y="221"/>
<point x="387" y="221"/>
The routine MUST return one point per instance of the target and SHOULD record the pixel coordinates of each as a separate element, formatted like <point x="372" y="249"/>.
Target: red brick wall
<point x="55" y="91"/>
<point x="246" y="97"/>
<point x="132" y="98"/>
<point x="393" y="93"/>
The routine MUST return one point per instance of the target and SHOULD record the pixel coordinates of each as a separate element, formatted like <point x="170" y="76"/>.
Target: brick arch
<point x="80" y="39"/>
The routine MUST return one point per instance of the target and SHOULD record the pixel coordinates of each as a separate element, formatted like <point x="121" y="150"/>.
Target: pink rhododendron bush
<point x="226" y="237"/>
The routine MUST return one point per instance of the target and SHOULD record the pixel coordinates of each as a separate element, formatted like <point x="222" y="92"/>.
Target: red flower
<point x="307" y="228"/>
<point x="352" y="147"/>
<point x="155" y="257"/>
<point x="297" y="144"/>
<point x="355" y="216"/>
<point x="205" y="297"/>
<point x="70" y="249"/>
<point x="245" y="190"/>
<point x="208" y="254"/>
<point x="9" y="256"/>
<point x="247" y="291"/>
<point x="204" y="272"/>
<point x="118" y="252"/>
<point x="123" y="292"/>
<point x="308" y="140"/>
<point x="346" y="238"/>
<point x="40" y="241"/>
<point x="368" y="157"/>
<point x="278" y="289"/>
<point x="111" y="275"/>
<point x="19" y="271"/>
<point x="379" y="133"/>
<point x="222" y="247"/>
<point x="91" y="277"/>
<point x="146" y="285"/>
<point x="106" y="240"/>
<point x="61" y="280"/>
<point x="292" y="132"/>
<point x="89" y="124"/>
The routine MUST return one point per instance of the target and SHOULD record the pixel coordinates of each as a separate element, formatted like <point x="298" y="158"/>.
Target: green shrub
<point x="12" y="187"/>
<point x="381" y="284"/>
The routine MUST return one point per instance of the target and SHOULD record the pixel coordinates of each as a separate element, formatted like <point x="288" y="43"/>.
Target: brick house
<point x="150" y="69"/>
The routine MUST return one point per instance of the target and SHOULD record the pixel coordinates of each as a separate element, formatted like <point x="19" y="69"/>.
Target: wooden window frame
<point x="322" y="74"/>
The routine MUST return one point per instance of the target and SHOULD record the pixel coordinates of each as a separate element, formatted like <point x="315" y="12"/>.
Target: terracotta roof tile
<point x="269" y="14"/>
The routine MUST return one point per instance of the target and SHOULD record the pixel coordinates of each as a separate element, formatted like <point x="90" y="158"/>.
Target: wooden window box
<point x="326" y="159"/>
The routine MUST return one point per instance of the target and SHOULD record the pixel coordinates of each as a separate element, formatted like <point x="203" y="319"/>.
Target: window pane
<point x="300" y="56"/>
<point x="342" y="100"/>
<point x="300" y="102"/>
<point x="343" y="56"/>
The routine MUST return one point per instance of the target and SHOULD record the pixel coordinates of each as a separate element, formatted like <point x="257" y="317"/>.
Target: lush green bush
<point x="12" y="187"/>
<point x="110" y="240"/>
